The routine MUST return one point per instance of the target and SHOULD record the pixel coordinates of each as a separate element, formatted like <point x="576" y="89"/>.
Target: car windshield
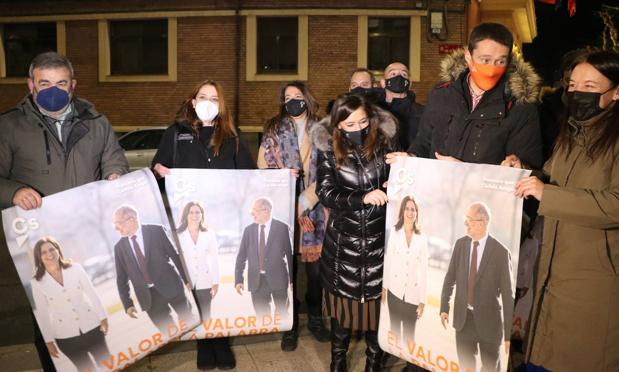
<point x="141" y="140"/>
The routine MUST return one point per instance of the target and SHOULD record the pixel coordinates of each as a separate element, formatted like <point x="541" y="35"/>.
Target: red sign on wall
<point x="448" y="48"/>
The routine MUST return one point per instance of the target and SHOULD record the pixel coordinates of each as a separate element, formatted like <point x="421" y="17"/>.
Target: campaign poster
<point x="529" y="251"/>
<point x="101" y="271"/>
<point x="235" y="229"/>
<point x="451" y="253"/>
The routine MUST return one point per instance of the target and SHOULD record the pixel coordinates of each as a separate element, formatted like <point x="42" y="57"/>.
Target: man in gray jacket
<point x="53" y="141"/>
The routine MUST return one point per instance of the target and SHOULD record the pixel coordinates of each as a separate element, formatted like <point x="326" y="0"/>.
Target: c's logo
<point x="182" y="188"/>
<point x="22" y="226"/>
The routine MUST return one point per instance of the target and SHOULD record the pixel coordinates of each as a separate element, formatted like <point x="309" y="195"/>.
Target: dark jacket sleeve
<point x="525" y="140"/>
<point x="8" y="187"/>
<point x="122" y="278"/>
<point x="288" y="250"/>
<point x="243" y="158"/>
<point x="171" y="252"/>
<point x="330" y="193"/>
<point x="507" y="294"/>
<point x="422" y="143"/>
<point x="241" y="258"/>
<point x="450" y="279"/>
<point x="165" y="151"/>
<point x="113" y="159"/>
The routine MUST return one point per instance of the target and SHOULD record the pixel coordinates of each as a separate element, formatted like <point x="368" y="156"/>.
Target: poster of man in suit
<point x="246" y="269"/>
<point x="102" y="302"/>
<point x="471" y="221"/>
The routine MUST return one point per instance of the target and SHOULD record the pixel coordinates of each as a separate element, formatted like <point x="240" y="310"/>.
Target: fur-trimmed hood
<point x="321" y="136"/>
<point x="523" y="82"/>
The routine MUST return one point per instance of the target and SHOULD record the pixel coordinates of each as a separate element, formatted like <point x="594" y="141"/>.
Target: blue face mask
<point x="53" y="99"/>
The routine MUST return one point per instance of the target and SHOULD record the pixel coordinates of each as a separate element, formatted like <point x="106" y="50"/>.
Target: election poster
<point x="101" y="271"/>
<point x="451" y="254"/>
<point x="235" y="229"/>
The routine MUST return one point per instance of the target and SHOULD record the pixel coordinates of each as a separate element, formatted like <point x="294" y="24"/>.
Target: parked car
<point x="100" y="268"/>
<point x="439" y="252"/>
<point x="140" y="146"/>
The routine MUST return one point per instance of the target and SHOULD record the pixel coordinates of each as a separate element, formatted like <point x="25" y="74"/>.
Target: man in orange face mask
<point x="484" y="111"/>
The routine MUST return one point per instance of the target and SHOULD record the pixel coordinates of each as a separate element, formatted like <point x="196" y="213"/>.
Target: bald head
<point x="395" y="69"/>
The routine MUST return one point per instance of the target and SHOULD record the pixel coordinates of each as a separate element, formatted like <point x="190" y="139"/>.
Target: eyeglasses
<point x="471" y="219"/>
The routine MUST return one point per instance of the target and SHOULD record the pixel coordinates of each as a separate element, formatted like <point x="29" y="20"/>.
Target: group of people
<point x="483" y="111"/>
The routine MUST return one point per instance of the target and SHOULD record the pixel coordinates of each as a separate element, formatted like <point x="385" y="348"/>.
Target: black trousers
<point x="404" y="314"/>
<point x="79" y="349"/>
<point x="159" y="311"/>
<point x="203" y="301"/>
<point x="262" y="297"/>
<point x="46" y="360"/>
<point x="313" y="296"/>
<point x="467" y="342"/>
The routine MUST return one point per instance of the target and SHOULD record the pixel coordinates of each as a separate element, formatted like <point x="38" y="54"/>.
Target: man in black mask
<point x="400" y="101"/>
<point x="53" y="141"/>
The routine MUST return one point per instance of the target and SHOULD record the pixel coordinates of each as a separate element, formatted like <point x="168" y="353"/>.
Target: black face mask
<point x="584" y="105"/>
<point x="360" y="91"/>
<point x="296" y="107"/>
<point x="357" y="137"/>
<point x="397" y="84"/>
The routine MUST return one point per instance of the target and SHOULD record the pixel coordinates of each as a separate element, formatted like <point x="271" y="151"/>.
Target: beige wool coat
<point x="575" y="315"/>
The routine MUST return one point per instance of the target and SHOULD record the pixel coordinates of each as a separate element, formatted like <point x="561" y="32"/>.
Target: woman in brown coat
<point x="575" y="318"/>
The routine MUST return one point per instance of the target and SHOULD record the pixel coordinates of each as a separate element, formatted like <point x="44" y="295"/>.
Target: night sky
<point x="558" y="33"/>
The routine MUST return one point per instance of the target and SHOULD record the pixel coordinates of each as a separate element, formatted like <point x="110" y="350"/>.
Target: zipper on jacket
<point x="47" y="151"/>
<point x="360" y="180"/>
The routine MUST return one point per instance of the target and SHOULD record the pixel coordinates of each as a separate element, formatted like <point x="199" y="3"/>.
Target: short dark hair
<point x="50" y="60"/>
<point x="493" y="31"/>
<point x="363" y="69"/>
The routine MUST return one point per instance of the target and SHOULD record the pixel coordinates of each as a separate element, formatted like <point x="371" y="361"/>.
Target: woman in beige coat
<point x="575" y="318"/>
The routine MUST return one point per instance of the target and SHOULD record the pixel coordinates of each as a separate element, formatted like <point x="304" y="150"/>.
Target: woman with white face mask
<point x="575" y="318"/>
<point x="203" y="136"/>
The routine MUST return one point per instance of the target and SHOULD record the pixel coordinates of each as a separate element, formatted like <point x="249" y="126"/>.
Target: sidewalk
<point x="253" y="354"/>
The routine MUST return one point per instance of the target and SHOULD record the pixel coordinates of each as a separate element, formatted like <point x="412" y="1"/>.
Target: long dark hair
<point x="606" y="128"/>
<point x="185" y="215"/>
<point x="343" y="106"/>
<point x="223" y="123"/>
<point x="271" y="125"/>
<point x="39" y="267"/>
<point x="400" y="222"/>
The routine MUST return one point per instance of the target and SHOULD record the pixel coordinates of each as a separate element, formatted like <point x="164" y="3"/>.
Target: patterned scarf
<point x="282" y="151"/>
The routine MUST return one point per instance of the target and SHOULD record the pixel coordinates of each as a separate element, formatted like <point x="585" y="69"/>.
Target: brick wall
<point x="206" y="49"/>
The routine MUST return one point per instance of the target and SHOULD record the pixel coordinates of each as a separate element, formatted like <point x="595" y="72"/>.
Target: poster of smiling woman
<point x="453" y="235"/>
<point x="235" y="229"/>
<point x="104" y="279"/>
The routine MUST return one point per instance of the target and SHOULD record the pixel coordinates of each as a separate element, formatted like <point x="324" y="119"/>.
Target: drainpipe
<point x="473" y="17"/>
<point x="237" y="62"/>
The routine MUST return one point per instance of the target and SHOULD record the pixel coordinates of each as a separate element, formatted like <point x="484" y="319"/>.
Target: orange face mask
<point x="486" y="76"/>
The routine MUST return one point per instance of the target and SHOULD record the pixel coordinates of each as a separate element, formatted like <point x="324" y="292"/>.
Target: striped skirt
<point x="351" y="313"/>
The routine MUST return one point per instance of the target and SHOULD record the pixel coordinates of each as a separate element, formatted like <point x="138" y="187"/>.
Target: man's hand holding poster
<point x="452" y="233"/>
<point x="235" y="230"/>
<point x="104" y="279"/>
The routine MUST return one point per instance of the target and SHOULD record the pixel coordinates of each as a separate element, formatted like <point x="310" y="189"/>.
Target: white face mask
<point x="206" y="110"/>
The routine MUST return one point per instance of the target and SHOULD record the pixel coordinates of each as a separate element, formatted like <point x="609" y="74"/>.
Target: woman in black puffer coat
<point x="352" y="143"/>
